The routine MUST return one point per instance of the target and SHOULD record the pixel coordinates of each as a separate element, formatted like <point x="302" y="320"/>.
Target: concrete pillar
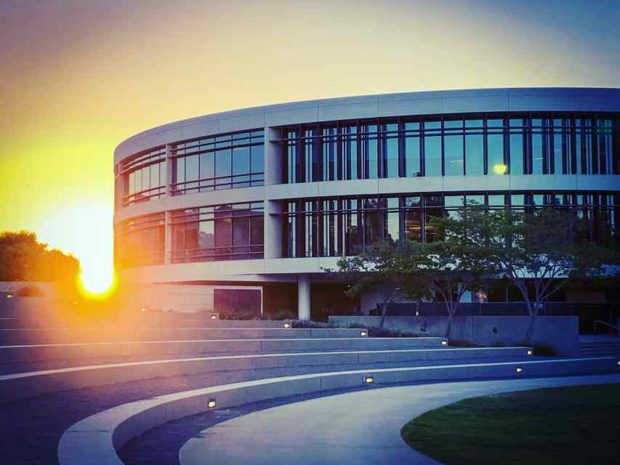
<point x="303" y="297"/>
<point x="273" y="229"/>
<point x="274" y="164"/>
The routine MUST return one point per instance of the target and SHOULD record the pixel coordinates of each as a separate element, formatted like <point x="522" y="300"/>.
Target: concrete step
<point x="70" y="335"/>
<point x="76" y="351"/>
<point x="41" y="323"/>
<point x="23" y="385"/>
<point x="109" y="430"/>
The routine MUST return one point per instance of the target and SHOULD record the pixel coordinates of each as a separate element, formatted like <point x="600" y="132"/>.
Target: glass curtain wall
<point x="142" y="177"/>
<point x="222" y="232"/>
<point x="220" y="162"/>
<point x="346" y="226"/>
<point x="140" y="241"/>
<point x="473" y="145"/>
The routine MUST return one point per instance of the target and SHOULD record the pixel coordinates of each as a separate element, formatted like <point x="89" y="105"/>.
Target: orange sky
<point x="79" y="76"/>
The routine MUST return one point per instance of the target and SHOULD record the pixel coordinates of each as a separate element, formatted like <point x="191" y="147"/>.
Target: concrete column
<point x="303" y="297"/>
<point x="273" y="208"/>
<point x="274" y="165"/>
<point x="273" y="229"/>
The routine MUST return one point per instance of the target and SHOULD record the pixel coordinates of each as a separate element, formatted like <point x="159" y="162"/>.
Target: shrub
<point x="310" y="324"/>
<point x="29" y="290"/>
<point x="460" y="343"/>
<point x="280" y="314"/>
<point x="544" y="350"/>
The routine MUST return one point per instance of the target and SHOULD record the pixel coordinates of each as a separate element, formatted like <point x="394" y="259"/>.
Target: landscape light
<point x="519" y="369"/>
<point x="211" y="403"/>
<point x="368" y="379"/>
<point x="530" y="352"/>
<point x="444" y="342"/>
<point x="363" y="333"/>
<point x="287" y="325"/>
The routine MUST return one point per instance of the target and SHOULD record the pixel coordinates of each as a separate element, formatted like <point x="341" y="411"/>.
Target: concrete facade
<point x="274" y="266"/>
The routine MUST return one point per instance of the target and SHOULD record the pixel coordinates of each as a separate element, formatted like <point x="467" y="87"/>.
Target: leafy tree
<point x="539" y="252"/>
<point x="380" y="269"/>
<point x="23" y="258"/>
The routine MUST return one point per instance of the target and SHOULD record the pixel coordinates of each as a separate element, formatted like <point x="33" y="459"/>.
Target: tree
<point x="23" y="258"/>
<point x="381" y="269"/>
<point x="541" y="248"/>
<point x="456" y="262"/>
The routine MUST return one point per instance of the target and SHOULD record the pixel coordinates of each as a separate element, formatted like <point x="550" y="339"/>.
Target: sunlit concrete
<point x="354" y="428"/>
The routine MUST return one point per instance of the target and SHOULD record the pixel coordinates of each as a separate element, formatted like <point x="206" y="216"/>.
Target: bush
<point x="29" y="291"/>
<point x="460" y="343"/>
<point x="280" y="314"/>
<point x="543" y="350"/>
<point x="310" y="324"/>
<point x="375" y="331"/>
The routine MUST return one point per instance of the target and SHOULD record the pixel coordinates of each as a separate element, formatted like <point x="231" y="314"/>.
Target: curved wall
<point x="252" y="220"/>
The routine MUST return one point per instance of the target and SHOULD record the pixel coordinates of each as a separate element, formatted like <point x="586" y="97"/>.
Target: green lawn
<point x="572" y="425"/>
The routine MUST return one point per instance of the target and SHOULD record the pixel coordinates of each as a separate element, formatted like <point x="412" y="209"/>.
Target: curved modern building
<point x="249" y="207"/>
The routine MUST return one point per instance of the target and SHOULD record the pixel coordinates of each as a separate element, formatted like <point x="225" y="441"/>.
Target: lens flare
<point x="97" y="283"/>
<point x="500" y="168"/>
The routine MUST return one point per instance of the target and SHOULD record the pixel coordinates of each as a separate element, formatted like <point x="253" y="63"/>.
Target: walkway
<point x="354" y="428"/>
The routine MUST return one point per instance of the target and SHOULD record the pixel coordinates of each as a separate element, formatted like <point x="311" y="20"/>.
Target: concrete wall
<point x="559" y="332"/>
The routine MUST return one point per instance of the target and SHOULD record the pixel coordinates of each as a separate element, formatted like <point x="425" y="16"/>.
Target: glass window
<point x="432" y="156"/>
<point x="516" y="153"/>
<point x="191" y="168"/>
<point x="495" y="151"/>
<point x="412" y="157"/>
<point x="207" y="167"/>
<point x="222" y="163"/>
<point x="474" y="155"/>
<point x="391" y="157"/>
<point x="537" y="154"/>
<point x="241" y="160"/>
<point x="258" y="156"/>
<point x="453" y="148"/>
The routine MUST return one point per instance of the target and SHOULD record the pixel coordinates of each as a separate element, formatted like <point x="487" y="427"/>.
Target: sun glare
<point x="85" y="231"/>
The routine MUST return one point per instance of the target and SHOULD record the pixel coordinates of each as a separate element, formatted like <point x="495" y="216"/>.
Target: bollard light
<point x="444" y="342"/>
<point x="519" y="370"/>
<point x="369" y="379"/>
<point x="211" y="403"/>
<point x="287" y="325"/>
<point x="363" y="333"/>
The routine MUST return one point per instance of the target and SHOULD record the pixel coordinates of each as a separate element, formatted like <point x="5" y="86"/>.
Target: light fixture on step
<point x="287" y="325"/>
<point x="363" y="333"/>
<point x="519" y="370"/>
<point x="211" y="403"/>
<point x="530" y="352"/>
<point x="369" y="379"/>
<point x="444" y="342"/>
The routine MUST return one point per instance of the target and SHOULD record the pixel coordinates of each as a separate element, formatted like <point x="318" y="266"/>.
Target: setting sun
<point x="85" y="231"/>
